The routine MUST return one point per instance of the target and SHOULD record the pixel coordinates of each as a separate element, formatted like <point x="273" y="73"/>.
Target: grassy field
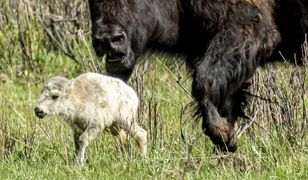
<point x="48" y="42"/>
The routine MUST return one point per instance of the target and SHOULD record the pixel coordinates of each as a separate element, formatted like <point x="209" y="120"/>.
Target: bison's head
<point x="120" y="32"/>
<point x="50" y="97"/>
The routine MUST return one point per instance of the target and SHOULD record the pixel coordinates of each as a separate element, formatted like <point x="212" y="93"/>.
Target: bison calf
<point x="90" y="104"/>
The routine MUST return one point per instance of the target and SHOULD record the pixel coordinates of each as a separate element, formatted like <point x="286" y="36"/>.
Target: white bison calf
<point x="91" y="103"/>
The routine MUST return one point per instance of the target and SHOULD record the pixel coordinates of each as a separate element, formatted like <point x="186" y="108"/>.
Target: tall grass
<point x="40" y="39"/>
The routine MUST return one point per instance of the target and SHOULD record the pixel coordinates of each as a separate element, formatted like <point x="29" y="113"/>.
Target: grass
<point x="40" y="149"/>
<point x="273" y="145"/>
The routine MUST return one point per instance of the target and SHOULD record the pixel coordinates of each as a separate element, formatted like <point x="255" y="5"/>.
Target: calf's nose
<point x="39" y="112"/>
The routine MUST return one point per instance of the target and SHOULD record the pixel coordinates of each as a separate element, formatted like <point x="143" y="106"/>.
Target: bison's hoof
<point x="222" y="133"/>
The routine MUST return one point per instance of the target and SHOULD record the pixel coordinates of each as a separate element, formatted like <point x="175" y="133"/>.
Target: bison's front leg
<point x="218" y="79"/>
<point x="86" y="137"/>
<point x="220" y="130"/>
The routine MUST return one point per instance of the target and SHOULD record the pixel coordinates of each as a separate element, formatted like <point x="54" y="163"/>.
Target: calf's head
<point x="50" y="97"/>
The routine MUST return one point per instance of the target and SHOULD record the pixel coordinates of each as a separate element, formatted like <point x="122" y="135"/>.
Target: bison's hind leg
<point x="137" y="132"/>
<point x="140" y="135"/>
<point x="120" y="133"/>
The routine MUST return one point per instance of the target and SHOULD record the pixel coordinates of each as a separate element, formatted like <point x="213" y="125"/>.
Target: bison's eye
<point x="117" y="39"/>
<point x="54" y="97"/>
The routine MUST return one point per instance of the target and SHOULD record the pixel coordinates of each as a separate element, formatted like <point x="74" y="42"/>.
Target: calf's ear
<point x="61" y="84"/>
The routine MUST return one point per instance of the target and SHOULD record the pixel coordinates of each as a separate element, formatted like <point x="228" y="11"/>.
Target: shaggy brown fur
<point x="224" y="41"/>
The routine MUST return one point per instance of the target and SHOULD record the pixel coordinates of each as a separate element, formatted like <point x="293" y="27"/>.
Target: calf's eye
<point x="54" y="97"/>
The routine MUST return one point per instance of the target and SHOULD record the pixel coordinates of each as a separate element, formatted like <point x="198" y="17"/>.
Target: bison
<point x="91" y="103"/>
<point x="223" y="42"/>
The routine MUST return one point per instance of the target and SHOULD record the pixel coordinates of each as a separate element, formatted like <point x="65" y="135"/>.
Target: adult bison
<point x="223" y="41"/>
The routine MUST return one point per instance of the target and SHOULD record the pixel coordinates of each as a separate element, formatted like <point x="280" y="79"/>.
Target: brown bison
<point x="223" y="42"/>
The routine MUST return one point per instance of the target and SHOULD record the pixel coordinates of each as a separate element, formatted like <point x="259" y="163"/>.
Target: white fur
<point x="91" y="103"/>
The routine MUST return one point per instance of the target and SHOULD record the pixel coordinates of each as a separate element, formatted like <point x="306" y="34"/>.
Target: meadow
<point x="41" y="39"/>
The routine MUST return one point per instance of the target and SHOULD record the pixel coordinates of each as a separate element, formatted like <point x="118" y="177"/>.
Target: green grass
<point x="43" y="149"/>
<point x="275" y="146"/>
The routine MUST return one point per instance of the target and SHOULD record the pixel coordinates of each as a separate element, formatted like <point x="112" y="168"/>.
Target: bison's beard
<point x="120" y="65"/>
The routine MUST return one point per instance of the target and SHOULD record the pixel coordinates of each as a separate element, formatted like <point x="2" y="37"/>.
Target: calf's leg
<point x="139" y="134"/>
<point x="86" y="137"/>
